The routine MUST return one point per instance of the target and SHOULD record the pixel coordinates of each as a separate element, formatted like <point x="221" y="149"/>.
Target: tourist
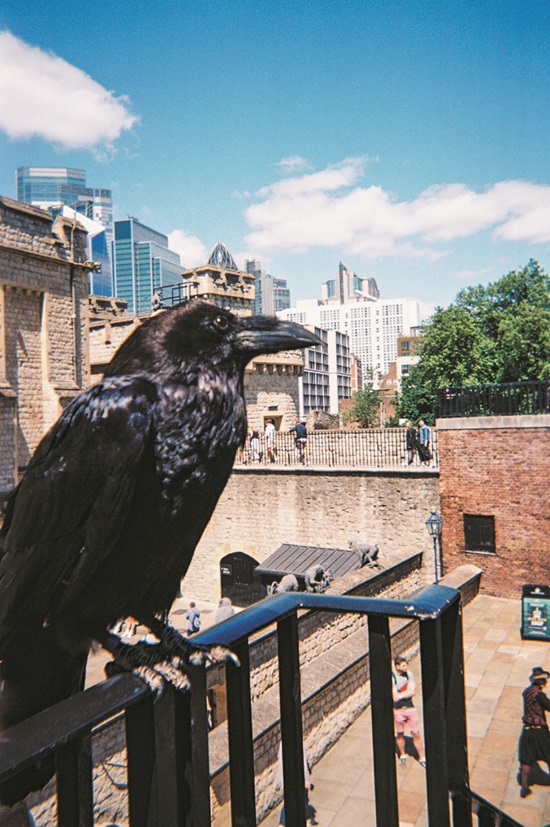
<point x="423" y="437"/>
<point x="193" y="618"/>
<point x="270" y="440"/>
<point x="534" y="741"/>
<point x="404" y="712"/>
<point x="300" y="440"/>
<point x="411" y="443"/>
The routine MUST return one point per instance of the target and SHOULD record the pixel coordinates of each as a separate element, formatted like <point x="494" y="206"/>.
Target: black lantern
<point x="434" y="524"/>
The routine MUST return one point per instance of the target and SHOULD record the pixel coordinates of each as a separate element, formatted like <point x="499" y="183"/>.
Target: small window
<point x="479" y="533"/>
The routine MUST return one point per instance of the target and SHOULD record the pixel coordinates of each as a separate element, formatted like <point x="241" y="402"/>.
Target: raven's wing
<point x="69" y="509"/>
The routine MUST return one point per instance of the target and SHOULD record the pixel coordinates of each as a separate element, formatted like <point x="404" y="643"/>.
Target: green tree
<point x="494" y="333"/>
<point x="364" y="408"/>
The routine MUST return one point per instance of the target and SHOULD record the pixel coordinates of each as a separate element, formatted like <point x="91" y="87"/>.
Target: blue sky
<point x="409" y="140"/>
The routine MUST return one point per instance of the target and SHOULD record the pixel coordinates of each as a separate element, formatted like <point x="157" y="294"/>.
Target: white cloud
<point x="43" y="95"/>
<point x="294" y="163"/>
<point x="192" y="251"/>
<point x="329" y="208"/>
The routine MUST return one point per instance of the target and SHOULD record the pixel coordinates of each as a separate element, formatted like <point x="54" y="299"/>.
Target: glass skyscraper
<point x="142" y="263"/>
<point x="52" y="188"/>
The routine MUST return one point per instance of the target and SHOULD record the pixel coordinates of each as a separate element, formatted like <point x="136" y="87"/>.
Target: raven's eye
<point x="221" y="323"/>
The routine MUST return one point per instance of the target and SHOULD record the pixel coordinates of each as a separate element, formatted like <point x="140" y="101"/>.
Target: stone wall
<point x="43" y="327"/>
<point x="261" y="508"/>
<point x="499" y="467"/>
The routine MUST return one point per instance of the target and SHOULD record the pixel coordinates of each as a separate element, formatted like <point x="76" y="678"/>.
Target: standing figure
<point x="269" y="434"/>
<point x="411" y="441"/>
<point x="255" y="445"/>
<point x="404" y="713"/>
<point x="534" y="741"/>
<point x="193" y="618"/>
<point x="423" y="436"/>
<point x="310" y="809"/>
<point x="300" y="440"/>
<point x="224" y="611"/>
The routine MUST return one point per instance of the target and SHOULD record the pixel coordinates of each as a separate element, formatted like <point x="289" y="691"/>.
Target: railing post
<point x="455" y="699"/>
<point x="140" y="749"/>
<point x="291" y="721"/>
<point x="383" y="739"/>
<point x="74" y="784"/>
<point x="198" y="762"/>
<point x="174" y="771"/>
<point x="435" y="725"/>
<point x="241" y="743"/>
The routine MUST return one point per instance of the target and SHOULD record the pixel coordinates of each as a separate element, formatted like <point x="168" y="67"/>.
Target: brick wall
<point x="498" y="466"/>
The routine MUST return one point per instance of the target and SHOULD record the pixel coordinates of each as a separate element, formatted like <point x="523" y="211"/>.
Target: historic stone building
<point x="43" y="327"/>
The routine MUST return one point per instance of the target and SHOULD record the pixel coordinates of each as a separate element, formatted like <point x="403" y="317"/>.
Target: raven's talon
<point x="172" y="675"/>
<point x="153" y="679"/>
<point x="197" y="654"/>
<point x="215" y="654"/>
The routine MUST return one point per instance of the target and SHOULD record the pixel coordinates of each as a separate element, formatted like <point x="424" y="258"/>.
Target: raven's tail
<point x="36" y="673"/>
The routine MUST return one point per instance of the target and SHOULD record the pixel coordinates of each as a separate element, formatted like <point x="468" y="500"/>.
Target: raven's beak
<point x="267" y="334"/>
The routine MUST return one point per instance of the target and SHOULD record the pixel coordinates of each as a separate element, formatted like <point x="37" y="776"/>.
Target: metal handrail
<point x="362" y="448"/>
<point x="503" y="399"/>
<point x="167" y="739"/>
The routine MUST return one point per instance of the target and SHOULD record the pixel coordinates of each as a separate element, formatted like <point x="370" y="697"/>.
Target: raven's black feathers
<point x="106" y="519"/>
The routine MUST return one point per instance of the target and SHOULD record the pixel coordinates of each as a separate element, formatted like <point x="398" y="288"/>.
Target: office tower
<point x="326" y="379"/>
<point x="349" y="287"/>
<point x="142" y="263"/>
<point x="271" y="294"/>
<point x="52" y="188"/>
<point x="373" y="327"/>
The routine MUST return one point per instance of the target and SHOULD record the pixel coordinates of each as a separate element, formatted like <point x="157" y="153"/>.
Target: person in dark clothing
<point x="423" y="443"/>
<point x="300" y="439"/>
<point x="411" y="441"/>
<point x="534" y="741"/>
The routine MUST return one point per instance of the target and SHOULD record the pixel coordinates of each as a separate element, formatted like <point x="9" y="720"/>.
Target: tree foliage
<point x="489" y="334"/>
<point x="364" y="407"/>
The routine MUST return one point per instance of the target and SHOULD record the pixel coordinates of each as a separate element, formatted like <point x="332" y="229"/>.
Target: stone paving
<point x="497" y="665"/>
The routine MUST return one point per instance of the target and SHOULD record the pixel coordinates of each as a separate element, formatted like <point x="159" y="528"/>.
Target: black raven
<point x="116" y="496"/>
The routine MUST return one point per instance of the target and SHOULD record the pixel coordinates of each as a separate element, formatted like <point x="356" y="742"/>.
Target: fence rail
<point x="370" y="448"/>
<point x="168" y="743"/>
<point x="505" y="399"/>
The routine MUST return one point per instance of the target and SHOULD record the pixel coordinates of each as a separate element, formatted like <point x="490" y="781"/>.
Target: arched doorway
<point x="239" y="580"/>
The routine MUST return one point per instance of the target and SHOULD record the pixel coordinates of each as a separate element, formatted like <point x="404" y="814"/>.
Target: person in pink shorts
<point x="405" y="715"/>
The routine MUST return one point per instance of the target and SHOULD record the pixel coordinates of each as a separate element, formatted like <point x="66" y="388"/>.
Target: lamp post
<point x="433" y="524"/>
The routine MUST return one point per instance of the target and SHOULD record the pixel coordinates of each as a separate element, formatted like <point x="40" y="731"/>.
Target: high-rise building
<point x="349" y="287"/>
<point x="271" y="294"/>
<point x="326" y="379"/>
<point x="52" y="188"/>
<point x="142" y="264"/>
<point x="373" y="327"/>
<point x="100" y="282"/>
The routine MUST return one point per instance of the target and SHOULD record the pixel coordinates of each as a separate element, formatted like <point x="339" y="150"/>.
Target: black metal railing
<point x="506" y="399"/>
<point x="167" y="739"/>
<point x="365" y="448"/>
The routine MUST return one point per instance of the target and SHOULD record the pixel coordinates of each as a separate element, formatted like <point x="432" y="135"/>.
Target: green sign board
<point x="535" y="612"/>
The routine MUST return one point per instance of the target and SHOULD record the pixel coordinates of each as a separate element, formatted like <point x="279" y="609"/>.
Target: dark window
<point x="479" y="533"/>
